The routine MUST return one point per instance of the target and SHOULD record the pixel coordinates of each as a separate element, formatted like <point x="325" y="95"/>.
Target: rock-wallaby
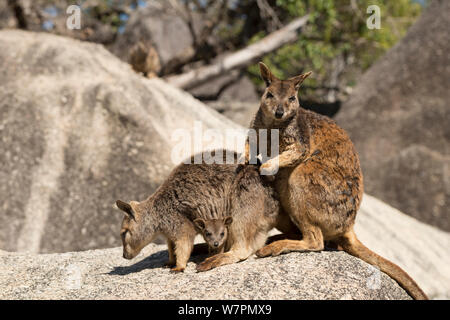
<point x="144" y="58"/>
<point x="319" y="181"/>
<point x="196" y="191"/>
<point x="255" y="209"/>
<point x="214" y="232"/>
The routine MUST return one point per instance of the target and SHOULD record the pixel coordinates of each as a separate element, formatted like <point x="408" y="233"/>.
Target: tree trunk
<point x="240" y="58"/>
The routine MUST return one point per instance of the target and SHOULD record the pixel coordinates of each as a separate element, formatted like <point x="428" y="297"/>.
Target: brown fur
<point x="201" y="191"/>
<point x="319" y="179"/>
<point x="214" y="232"/>
<point x="145" y="59"/>
<point x="255" y="210"/>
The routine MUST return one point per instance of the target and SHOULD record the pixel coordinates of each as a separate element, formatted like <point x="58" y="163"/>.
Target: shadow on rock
<point x="154" y="261"/>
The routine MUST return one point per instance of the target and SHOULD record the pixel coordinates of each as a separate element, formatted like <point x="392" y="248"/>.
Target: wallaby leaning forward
<point x="241" y="201"/>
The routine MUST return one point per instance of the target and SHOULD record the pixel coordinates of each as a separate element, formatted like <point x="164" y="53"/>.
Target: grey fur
<point x="206" y="191"/>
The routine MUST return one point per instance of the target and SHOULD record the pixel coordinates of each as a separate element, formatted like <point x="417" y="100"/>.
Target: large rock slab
<point x="398" y="118"/>
<point x="78" y="130"/>
<point x="103" y="274"/>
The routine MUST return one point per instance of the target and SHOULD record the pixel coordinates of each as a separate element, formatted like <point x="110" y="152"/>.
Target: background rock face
<point x="232" y="95"/>
<point x="419" y="249"/>
<point x="78" y="130"/>
<point x="398" y="117"/>
<point x="160" y="26"/>
<point x="6" y="16"/>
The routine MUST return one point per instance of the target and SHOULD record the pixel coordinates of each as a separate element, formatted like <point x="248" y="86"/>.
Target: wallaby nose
<point x="279" y="113"/>
<point x="216" y="244"/>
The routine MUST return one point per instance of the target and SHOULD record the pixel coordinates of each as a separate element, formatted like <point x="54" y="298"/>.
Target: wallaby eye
<point x="208" y="234"/>
<point x="222" y="234"/>
<point x="292" y="99"/>
<point x="269" y="95"/>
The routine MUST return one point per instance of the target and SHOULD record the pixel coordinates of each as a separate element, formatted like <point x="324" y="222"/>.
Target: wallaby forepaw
<point x="268" y="250"/>
<point x="263" y="252"/>
<point x="176" y="270"/>
<point x="210" y="263"/>
<point x="268" y="169"/>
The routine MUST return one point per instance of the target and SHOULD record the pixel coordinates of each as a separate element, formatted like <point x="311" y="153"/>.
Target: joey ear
<point x="227" y="221"/>
<point x="266" y="74"/>
<point x="299" y="79"/>
<point x="200" y="223"/>
<point x="125" y="207"/>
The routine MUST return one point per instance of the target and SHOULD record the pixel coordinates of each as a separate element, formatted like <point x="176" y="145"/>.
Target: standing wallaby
<point x="319" y="181"/>
<point x="204" y="191"/>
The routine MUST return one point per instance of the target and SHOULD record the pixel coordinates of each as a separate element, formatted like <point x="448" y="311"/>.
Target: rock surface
<point x="232" y="86"/>
<point x="103" y="274"/>
<point x="398" y="117"/>
<point x="419" y="249"/>
<point x="7" y="19"/>
<point x="160" y="26"/>
<point x="240" y="112"/>
<point x="78" y="130"/>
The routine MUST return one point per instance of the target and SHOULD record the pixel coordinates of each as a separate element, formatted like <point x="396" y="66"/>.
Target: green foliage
<point x="107" y="12"/>
<point x="336" y="28"/>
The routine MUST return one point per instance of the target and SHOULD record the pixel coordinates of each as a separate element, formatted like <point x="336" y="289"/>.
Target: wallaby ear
<point x="299" y="79"/>
<point x="200" y="223"/>
<point x="266" y="74"/>
<point x="227" y="221"/>
<point x="125" y="207"/>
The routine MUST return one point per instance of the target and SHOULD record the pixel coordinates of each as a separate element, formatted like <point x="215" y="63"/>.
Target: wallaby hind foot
<point x="232" y="256"/>
<point x="312" y="241"/>
<point x="284" y="236"/>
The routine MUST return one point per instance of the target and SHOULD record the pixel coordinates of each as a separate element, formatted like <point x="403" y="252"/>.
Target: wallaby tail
<point x="350" y="243"/>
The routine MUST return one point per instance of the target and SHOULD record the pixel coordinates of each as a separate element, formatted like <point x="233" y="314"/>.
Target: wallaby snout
<point x="279" y="112"/>
<point x="128" y="255"/>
